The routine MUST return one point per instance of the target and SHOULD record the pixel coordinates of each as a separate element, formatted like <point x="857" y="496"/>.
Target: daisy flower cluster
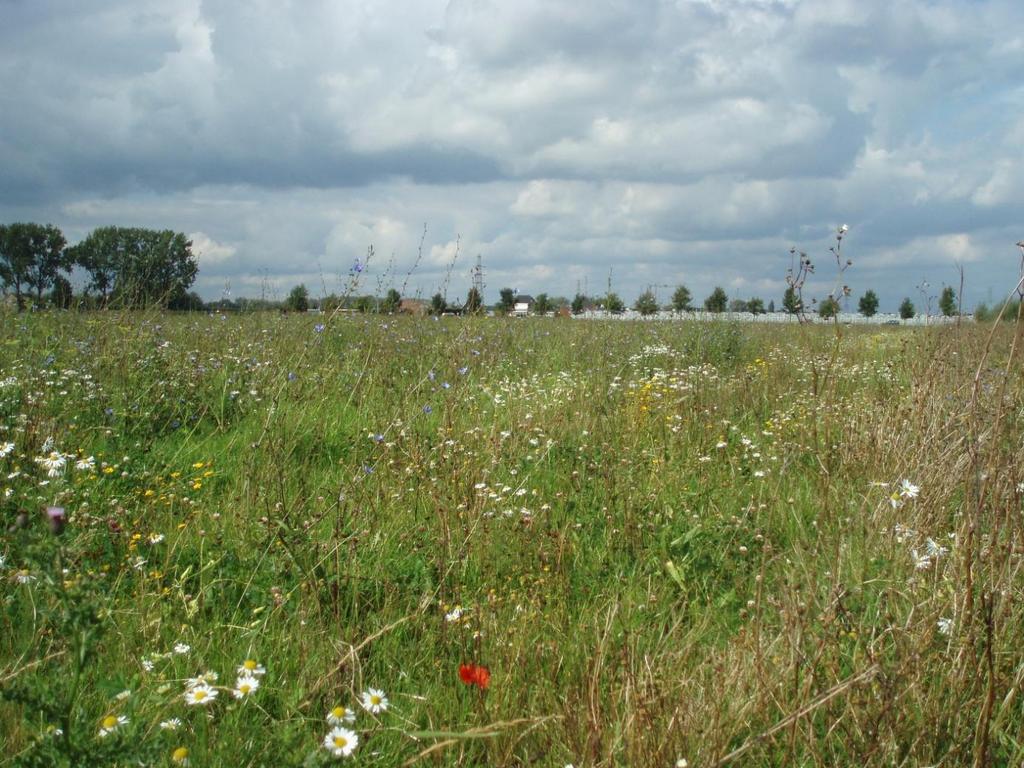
<point x="200" y="691"/>
<point x="341" y="741"/>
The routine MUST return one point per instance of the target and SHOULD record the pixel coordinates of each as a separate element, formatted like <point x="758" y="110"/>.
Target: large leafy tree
<point x="828" y="308"/>
<point x="947" y="301"/>
<point x="392" y="300"/>
<point x="868" y="304"/>
<point x="32" y="256"/>
<point x="579" y="301"/>
<point x="717" y="301"/>
<point x="298" y="299"/>
<point x="614" y="304"/>
<point x="542" y="304"/>
<point x="646" y="304"/>
<point x="137" y="266"/>
<point x="907" y="310"/>
<point x="791" y="301"/>
<point x="681" y="299"/>
<point x="508" y="300"/>
<point x="755" y="306"/>
<point x="474" y="302"/>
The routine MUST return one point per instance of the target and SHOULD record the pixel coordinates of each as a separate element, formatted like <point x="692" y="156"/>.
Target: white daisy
<point x="6" y="449"/>
<point x="182" y="648"/>
<point x="88" y="464"/>
<point x="111" y="723"/>
<point x="171" y="725"/>
<point x="340" y="742"/>
<point x="945" y="625"/>
<point x="201" y="695"/>
<point x="340" y="715"/>
<point x="246" y="685"/>
<point x="374" y="701"/>
<point x="454" y="614"/>
<point x="908" y="490"/>
<point x="53" y="463"/>
<point x="251" y="668"/>
<point x="155" y="538"/>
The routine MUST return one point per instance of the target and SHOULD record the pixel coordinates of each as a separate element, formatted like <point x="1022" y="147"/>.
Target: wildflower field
<point x="266" y="540"/>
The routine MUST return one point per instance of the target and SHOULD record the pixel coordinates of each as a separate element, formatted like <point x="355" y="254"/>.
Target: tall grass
<point x="666" y="541"/>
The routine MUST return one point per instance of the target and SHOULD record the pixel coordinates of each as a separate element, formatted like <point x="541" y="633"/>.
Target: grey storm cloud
<point x="662" y="142"/>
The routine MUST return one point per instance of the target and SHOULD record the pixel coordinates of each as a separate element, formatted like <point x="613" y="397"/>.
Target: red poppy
<point x="473" y="674"/>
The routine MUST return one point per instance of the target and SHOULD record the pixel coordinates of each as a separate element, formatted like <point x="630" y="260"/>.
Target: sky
<point x="649" y="143"/>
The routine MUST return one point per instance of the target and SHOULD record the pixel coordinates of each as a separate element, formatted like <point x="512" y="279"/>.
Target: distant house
<point x="523" y="306"/>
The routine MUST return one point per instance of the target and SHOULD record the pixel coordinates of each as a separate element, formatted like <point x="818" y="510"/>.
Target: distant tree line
<point x="125" y="266"/>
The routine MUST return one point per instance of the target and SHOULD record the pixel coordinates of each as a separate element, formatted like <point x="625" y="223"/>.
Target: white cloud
<point x="667" y="141"/>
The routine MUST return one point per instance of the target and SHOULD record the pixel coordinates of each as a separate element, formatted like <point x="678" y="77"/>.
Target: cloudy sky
<point x="655" y="141"/>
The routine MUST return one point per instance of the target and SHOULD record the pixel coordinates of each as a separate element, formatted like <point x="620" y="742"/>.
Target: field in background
<point x="695" y="543"/>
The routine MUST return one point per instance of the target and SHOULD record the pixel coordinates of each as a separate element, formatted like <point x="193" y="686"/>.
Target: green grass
<point x="668" y="541"/>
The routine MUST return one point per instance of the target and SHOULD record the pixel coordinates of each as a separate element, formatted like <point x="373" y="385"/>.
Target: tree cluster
<point x="126" y="266"/>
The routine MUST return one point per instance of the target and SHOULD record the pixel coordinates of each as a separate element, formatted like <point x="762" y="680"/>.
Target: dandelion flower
<point x="111" y="723"/>
<point x="340" y="715"/>
<point x="245" y="686"/>
<point x="374" y="701"/>
<point x="180" y="756"/>
<point x="201" y="694"/>
<point x="340" y="742"/>
<point x="251" y="668"/>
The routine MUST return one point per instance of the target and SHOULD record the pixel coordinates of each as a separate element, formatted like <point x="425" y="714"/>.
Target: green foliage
<point x="613" y="304"/>
<point x="868" y="304"/>
<point x="298" y="299"/>
<point x="474" y="302"/>
<point x="984" y="314"/>
<point x="392" y="300"/>
<point x="791" y="301"/>
<point x="947" y="302"/>
<point x="907" y="309"/>
<point x="136" y="267"/>
<point x="756" y="306"/>
<point x="579" y="302"/>
<point x="828" y="308"/>
<point x="646" y="304"/>
<point x="507" y="301"/>
<point x="32" y="256"/>
<point x="62" y="295"/>
<point x="681" y="299"/>
<point x="717" y="301"/>
<point x="616" y="510"/>
<point x="438" y="305"/>
<point x="542" y="304"/>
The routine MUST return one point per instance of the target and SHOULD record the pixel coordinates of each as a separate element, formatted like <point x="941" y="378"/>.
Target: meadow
<point x="269" y="540"/>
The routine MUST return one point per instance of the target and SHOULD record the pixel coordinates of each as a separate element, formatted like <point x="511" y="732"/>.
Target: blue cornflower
<point x="318" y="328"/>
<point x="427" y="409"/>
<point x="292" y="376"/>
<point x="431" y="375"/>
<point x="446" y="385"/>
<point x="463" y="370"/>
